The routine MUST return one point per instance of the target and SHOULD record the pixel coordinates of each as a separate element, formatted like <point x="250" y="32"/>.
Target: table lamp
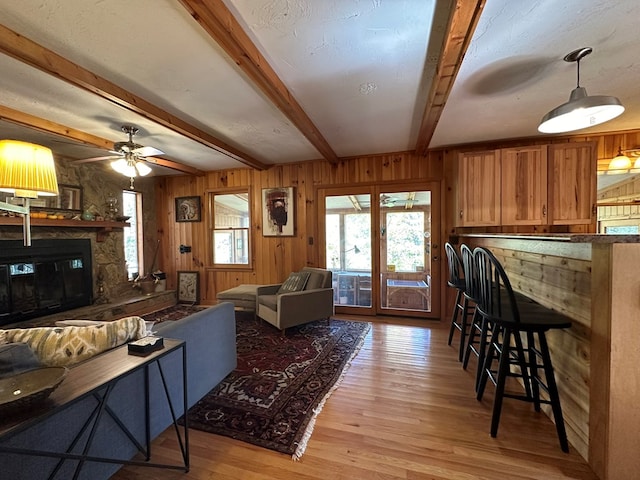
<point x="27" y="171"/>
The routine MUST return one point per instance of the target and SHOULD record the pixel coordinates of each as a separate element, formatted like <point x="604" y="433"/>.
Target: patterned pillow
<point x="60" y="346"/>
<point x="295" y="283"/>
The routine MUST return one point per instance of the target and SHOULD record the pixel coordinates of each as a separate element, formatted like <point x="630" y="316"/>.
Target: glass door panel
<point x="405" y="251"/>
<point x="348" y="248"/>
<point x="381" y="243"/>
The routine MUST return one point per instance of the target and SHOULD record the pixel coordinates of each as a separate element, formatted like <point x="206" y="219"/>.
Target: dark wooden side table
<point x="97" y="377"/>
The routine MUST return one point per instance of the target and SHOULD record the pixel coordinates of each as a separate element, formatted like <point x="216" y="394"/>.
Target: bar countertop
<point x="559" y="237"/>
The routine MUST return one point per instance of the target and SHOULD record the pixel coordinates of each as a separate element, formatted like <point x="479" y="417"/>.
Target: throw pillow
<point x="61" y="346"/>
<point x="295" y="283"/>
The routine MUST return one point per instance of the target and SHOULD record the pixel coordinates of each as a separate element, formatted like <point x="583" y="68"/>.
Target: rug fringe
<point x="302" y="445"/>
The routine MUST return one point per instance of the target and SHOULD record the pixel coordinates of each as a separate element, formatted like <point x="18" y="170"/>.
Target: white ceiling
<point x="360" y="70"/>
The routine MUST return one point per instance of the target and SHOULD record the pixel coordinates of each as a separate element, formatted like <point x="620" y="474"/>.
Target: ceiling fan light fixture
<point x="143" y="169"/>
<point x="124" y="167"/>
<point x="581" y="111"/>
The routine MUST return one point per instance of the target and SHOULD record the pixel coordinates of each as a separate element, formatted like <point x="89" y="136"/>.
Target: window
<point x="622" y="230"/>
<point x="132" y="207"/>
<point x="405" y="240"/>
<point x="231" y="226"/>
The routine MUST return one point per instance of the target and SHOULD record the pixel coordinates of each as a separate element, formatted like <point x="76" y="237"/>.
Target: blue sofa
<point x="210" y="337"/>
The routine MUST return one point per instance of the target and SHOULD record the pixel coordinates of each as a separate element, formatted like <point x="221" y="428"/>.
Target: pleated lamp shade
<point x="27" y="170"/>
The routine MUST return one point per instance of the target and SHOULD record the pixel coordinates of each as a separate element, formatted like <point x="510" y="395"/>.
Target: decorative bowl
<point x="26" y="389"/>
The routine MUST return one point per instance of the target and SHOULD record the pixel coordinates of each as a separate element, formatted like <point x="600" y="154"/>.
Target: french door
<point x="382" y="245"/>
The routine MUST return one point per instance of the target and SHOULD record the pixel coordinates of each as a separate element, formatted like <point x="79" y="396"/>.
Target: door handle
<point x="435" y="258"/>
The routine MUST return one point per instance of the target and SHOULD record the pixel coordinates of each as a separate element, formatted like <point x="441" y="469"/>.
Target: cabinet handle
<point x="460" y="213"/>
<point x="544" y="210"/>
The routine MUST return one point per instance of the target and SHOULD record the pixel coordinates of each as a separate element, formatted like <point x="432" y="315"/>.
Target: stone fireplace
<point x="53" y="275"/>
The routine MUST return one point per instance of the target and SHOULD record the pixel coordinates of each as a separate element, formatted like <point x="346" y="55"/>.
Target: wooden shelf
<point x="102" y="228"/>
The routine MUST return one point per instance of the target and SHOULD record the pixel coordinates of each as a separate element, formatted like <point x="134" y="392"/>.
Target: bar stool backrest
<point x="470" y="274"/>
<point x="456" y="279"/>
<point x="496" y="300"/>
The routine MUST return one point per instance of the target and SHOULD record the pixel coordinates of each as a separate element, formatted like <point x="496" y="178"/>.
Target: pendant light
<point x="581" y="111"/>
<point x="619" y="162"/>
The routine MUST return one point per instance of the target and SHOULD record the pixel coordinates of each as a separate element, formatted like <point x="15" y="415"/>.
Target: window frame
<point x="211" y="229"/>
<point x="138" y="225"/>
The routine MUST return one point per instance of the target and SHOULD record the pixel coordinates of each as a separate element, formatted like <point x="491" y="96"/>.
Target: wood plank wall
<point x="557" y="275"/>
<point x="273" y="257"/>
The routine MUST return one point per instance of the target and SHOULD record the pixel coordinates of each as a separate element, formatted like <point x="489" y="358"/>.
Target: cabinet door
<point x="524" y="185"/>
<point x="478" y="189"/>
<point x="572" y="183"/>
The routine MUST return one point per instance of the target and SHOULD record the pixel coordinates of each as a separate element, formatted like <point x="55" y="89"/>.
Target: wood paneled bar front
<point x="592" y="279"/>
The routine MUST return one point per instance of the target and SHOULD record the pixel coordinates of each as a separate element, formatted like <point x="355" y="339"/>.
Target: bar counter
<point x="595" y="280"/>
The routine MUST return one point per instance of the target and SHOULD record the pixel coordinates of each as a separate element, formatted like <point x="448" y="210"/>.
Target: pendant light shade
<point x="581" y="111"/>
<point x="620" y="161"/>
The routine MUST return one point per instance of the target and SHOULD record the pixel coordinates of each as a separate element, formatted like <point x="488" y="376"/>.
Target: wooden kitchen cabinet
<point x="478" y="189"/>
<point x="524" y="186"/>
<point x="572" y="183"/>
<point x="534" y="185"/>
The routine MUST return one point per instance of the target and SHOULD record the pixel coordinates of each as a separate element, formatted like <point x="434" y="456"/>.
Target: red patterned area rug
<point x="175" y="312"/>
<point x="281" y="382"/>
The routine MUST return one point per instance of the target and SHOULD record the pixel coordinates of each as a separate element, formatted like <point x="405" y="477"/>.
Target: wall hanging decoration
<point x="188" y="209"/>
<point x="278" y="212"/>
<point x="188" y="287"/>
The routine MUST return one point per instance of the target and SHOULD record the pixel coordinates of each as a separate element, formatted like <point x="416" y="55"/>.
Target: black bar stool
<point x="479" y="329"/>
<point x="461" y="307"/>
<point x="512" y="316"/>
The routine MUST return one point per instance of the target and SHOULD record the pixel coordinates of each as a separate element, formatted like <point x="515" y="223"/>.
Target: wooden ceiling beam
<point x="37" y="56"/>
<point x="48" y="127"/>
<point x="462" y="23"/>
<point x="221" y="25"/>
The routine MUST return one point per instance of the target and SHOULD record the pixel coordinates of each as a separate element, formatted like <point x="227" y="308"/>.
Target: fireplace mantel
<point x="102" y="227"/>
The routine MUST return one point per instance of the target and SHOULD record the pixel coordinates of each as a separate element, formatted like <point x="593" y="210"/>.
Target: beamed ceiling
<point x="220" y="84"/>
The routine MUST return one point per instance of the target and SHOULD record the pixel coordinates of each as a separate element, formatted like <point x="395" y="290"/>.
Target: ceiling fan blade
<point x="96" y="159"/>
<point x="147" y="151"/>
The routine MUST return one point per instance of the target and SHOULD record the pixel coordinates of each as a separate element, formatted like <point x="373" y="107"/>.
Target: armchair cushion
<point x="270" y="301"/>
<point x="295" y="283"/>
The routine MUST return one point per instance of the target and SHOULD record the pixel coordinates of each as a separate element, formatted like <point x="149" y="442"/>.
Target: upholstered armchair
<point x="304" y="297"/>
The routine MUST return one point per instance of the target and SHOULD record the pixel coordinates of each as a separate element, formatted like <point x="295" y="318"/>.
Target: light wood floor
<point x="405" y="410"/>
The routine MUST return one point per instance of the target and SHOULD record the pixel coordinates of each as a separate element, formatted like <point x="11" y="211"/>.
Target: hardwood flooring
<point x="405" y="410"/>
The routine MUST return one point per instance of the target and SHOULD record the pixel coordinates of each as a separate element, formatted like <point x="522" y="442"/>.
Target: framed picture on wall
<point x="278" y="218"/>
<point x="188" y="287"/>
<point x="188" y="209"/>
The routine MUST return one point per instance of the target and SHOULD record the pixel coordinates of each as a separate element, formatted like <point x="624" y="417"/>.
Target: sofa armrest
<point x="267" y="289"/>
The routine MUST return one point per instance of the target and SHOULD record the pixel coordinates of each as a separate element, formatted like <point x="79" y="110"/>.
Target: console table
<point x="97" y="377"/>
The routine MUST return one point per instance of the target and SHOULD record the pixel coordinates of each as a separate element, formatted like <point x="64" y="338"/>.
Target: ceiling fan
<point x="387" y="200"/>
<point x="130" y="157"/>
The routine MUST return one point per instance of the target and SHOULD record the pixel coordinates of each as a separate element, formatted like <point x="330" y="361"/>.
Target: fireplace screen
<point x="51" y="276"/>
